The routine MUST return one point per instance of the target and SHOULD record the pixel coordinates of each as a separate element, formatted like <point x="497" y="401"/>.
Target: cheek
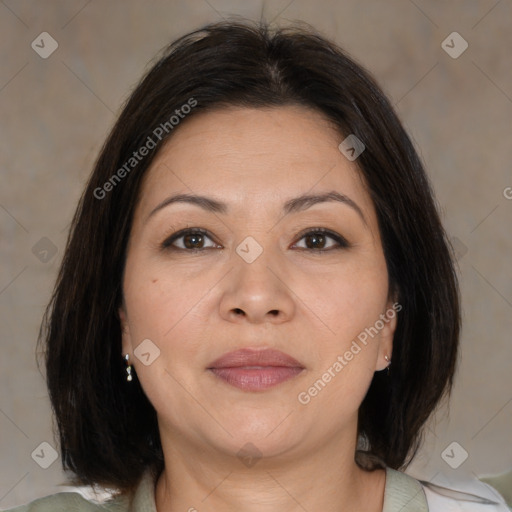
<point x="157" y="299"/>
<point x="347" y="300"/>
<point x="161" y="309"/>
<point x="164" y="306"/>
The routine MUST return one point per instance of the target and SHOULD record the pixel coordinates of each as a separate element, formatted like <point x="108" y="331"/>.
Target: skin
<point x="197" y="306"/>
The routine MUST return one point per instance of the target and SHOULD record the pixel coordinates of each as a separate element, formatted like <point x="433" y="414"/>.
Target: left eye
<point x="316" y="240"/>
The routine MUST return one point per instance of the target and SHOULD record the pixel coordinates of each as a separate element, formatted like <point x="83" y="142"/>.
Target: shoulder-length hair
<point x="107" y="428"/>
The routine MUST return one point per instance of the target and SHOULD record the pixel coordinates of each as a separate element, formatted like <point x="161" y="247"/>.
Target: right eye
<point x="191" y="239"/>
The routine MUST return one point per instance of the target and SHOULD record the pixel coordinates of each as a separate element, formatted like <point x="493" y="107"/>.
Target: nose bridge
<point x="255" y="267"/>
<point x="256" y="288"/>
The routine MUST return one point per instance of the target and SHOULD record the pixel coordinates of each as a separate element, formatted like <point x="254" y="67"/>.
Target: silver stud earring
<point x="129" y="376"/>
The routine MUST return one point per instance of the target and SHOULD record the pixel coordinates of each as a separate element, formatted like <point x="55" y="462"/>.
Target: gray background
<point x="56" y="112"/>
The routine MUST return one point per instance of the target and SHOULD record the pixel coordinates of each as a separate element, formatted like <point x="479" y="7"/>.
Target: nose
<point x="257" y="292"/>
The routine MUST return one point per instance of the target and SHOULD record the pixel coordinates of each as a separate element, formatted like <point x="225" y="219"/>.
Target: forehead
<point x="240" y="154"/>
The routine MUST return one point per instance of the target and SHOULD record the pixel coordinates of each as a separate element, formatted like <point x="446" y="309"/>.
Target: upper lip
<point x="254" y="357"/>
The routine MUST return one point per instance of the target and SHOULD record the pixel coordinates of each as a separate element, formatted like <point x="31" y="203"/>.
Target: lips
<point x="253" y="357"/>
<point x="255" y="370"/>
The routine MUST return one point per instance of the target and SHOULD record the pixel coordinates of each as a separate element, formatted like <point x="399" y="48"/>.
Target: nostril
<point x="238" y="311"/>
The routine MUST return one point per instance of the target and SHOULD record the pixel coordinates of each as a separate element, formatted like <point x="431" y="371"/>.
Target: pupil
<point x="317" y="238"/>
<point x="193" y="239"/>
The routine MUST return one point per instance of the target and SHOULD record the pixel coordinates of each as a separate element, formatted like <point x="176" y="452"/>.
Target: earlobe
<point x="387" y="334"/>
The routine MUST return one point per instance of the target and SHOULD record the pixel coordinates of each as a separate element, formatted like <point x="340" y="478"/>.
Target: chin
<point x="258" y="435"/>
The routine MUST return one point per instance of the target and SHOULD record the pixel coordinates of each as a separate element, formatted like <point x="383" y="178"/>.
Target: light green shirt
<point x="402" y="494"/>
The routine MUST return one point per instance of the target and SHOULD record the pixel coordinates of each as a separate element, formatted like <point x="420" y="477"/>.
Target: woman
<point x="257" y="308"/>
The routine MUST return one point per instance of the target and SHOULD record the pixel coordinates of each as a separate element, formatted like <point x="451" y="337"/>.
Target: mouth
<point x="255" y="370"/>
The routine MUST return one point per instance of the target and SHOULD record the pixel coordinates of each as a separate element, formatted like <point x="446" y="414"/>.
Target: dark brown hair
<point x="107" y="428"/>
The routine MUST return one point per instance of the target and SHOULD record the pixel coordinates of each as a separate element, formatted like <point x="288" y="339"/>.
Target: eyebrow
<point x="294" y="205"/>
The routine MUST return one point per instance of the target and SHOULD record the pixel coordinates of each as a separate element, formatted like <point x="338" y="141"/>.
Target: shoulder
<point x="468" y="496"/>
<point x="142" y="499"/>
<point x="406" y="494"/>
<point x="71" y="502"/>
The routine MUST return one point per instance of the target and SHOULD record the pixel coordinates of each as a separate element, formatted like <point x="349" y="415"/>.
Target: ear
<point x="389" y="319"/>
<point x="125" y="332"/>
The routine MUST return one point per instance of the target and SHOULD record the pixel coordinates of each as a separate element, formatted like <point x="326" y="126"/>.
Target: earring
<point x="129" y="376"/>
<point x="389" y="363"/>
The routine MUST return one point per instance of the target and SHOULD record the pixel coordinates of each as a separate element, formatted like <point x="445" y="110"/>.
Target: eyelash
<point x="342" y="242"/>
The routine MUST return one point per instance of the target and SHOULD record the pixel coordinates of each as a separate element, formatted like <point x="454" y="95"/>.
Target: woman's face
<point x="259" y="275"/>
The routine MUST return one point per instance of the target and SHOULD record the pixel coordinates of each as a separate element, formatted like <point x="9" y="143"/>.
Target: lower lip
<point x="256" y="379"/>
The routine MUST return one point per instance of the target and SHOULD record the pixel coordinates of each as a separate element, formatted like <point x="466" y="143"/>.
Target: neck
<point x="326" y="478"/>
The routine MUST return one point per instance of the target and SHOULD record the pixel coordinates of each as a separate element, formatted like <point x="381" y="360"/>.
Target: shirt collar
<point x="402" y="494"/>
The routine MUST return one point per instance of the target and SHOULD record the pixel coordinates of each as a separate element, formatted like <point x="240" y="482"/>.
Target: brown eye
<point x="193" y="241"/>
<point x="317" y="239"/>
<point x="189" y="239"/>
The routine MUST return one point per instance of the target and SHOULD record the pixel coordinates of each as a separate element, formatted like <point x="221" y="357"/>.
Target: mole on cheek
<point x="154" y="280"/>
